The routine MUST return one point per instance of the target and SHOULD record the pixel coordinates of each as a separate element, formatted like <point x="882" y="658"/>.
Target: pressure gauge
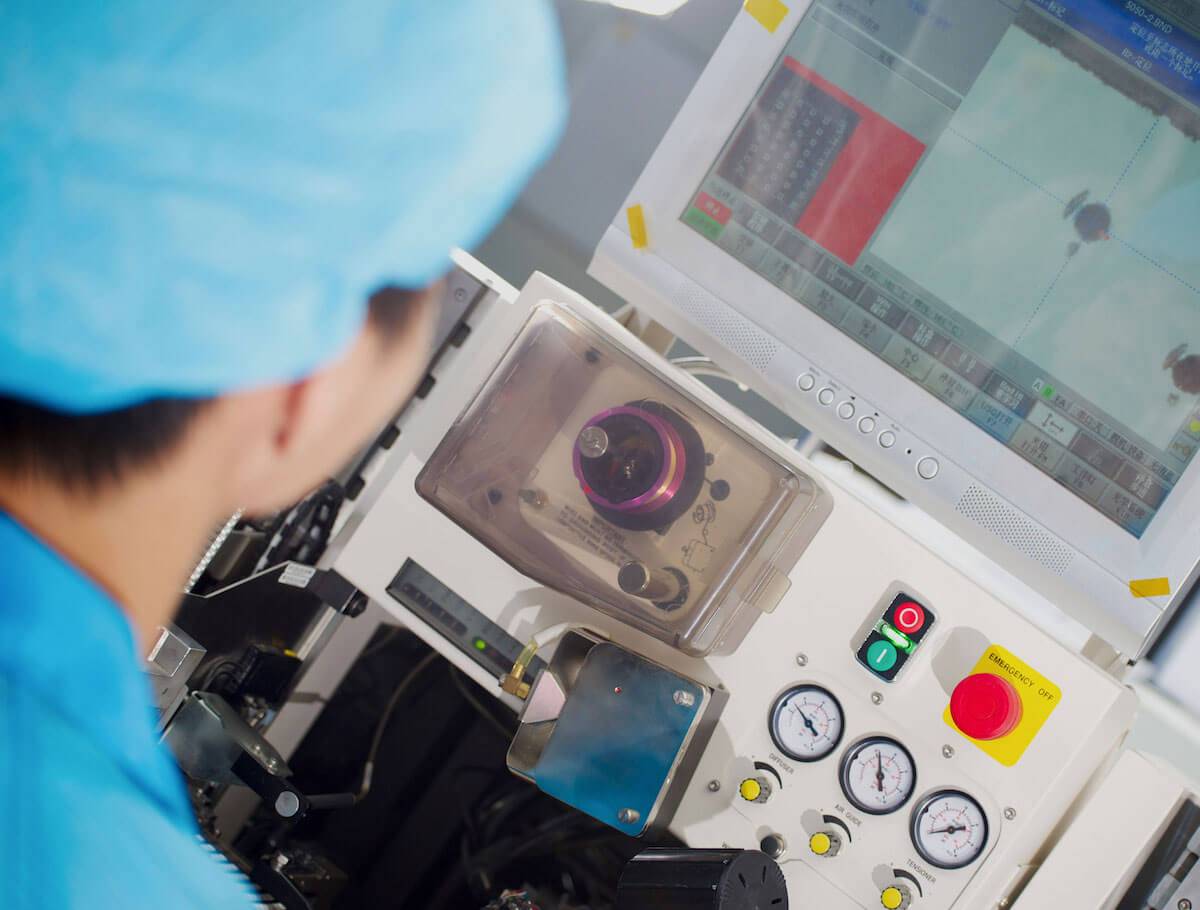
<point x="949" y="829"/>
<point x="807" y="723"/>
<point x="878" y="775"/>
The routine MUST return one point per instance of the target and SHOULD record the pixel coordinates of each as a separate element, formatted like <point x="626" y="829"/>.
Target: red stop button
<point x="909" y="617"/>
<point x="984" y="706"/>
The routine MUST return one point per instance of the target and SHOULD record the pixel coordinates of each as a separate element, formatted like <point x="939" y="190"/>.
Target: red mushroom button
<point x="985" y="706"/>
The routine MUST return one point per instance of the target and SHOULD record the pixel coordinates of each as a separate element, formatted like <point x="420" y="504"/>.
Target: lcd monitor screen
<point x="1002" y="201"/>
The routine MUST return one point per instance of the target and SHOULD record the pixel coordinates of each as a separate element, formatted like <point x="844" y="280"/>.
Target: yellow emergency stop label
<point x="1039" y="697"/>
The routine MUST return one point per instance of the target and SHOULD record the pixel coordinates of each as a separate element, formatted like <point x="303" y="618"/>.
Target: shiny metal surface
<point x="619" y="738"/>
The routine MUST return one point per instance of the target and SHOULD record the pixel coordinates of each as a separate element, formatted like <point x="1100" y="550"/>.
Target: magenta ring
<point x="670" y="478"/>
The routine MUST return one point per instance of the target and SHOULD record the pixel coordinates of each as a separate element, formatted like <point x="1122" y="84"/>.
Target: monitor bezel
<point x="1096" y="593"/>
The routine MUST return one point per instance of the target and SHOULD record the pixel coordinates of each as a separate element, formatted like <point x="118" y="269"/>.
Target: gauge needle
<point x="879" y="770"/>
<point x="808" y="723"/>
<point x="949" y="829"/>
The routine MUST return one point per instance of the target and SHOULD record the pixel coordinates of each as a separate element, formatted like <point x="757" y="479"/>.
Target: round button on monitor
<point x="927" y="468"/>
<point x="887" y="439"/>
<point x="878" y="775"/>
<point x="949" y="829"/>
<point x="826" y="396"/>
<point x="806" y="723"/>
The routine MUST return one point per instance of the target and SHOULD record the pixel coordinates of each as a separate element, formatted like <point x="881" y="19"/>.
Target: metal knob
<point x="640" y="580"/>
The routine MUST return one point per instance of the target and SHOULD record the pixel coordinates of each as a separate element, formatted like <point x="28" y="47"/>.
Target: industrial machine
<point x="956" y="240"/>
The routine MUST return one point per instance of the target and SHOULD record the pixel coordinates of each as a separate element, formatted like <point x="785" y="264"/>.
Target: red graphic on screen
<point x="864" y="180"/>
<point x="714" y="209"/>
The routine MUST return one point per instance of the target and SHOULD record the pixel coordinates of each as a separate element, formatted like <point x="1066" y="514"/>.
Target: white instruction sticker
<point x="297" y="576"/>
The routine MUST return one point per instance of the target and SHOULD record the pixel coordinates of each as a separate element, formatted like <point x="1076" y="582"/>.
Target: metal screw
<point x="877" y="698"/>
<point x="947" y="751"/>
<point x="592" y="442"/>
<point x="628" y="816"/>
<point x="1010" y="813"/>
<point x="684" y="699"/>
<point x="1184" y="904"/>
<point x="714" y="786"/>
<point x="802" y="660"/>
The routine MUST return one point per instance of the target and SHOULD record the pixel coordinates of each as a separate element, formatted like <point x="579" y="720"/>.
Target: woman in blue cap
<point x="217" y="222"/>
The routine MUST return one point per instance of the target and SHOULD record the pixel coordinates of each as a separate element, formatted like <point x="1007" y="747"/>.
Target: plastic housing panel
<point x="700" y="522"/>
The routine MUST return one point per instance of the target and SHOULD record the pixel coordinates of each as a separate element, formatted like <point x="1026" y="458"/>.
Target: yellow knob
<point x="891" y="897"/>
<point x="820" y="843"/>
<point x="750" y="789"/>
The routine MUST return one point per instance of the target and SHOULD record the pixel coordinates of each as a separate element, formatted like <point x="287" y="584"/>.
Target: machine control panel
<point x="870" y="787"/>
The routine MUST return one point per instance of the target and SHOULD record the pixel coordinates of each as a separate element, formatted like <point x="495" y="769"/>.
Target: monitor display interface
<point x="1002" y="201"/>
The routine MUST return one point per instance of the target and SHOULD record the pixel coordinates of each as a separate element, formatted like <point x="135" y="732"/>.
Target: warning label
<point x="597" y="535"/>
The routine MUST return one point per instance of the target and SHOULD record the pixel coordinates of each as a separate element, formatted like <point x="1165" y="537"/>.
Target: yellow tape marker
<point x="1039" y="697"/>
<point x="769" y="13"/>
<point x="1195" y="426"/>
<point x="637" y="227"/>
<point x="1150" y="587"/>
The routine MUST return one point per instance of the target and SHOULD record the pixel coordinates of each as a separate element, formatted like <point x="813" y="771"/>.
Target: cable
<point x="706" y="367"/>
<point x="456" y="678"/>
<point x="514" y="681"/>
<point x="383" y="642"/>
<point x="381" y="726"/>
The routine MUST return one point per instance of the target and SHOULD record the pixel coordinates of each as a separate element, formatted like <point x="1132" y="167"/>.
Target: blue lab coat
<point x="93" y="810"/>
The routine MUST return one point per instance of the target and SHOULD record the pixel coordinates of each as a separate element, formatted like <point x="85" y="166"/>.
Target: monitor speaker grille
<point x="738" y="334"/>
<point x="990" y="512"/>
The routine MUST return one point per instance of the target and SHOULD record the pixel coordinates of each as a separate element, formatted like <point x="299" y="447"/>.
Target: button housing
<point x="899" y="630"/>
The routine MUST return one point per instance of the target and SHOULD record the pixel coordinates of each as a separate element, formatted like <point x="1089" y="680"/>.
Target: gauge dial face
<point x="878" y="775"/>
<point x="949" y="829"/>
<point x="807" y="723"/>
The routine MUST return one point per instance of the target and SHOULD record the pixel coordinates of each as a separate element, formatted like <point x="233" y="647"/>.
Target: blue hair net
<point x="200" y="195"/>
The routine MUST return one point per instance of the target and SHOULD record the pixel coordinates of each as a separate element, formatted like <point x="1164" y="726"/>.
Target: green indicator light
<point x="896" y="637"/>
<point x="1047" y="391"/>
<point x="480" y="644"/>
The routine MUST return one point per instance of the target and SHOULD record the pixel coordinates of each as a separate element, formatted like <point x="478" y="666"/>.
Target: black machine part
<point x="665" y="878"/>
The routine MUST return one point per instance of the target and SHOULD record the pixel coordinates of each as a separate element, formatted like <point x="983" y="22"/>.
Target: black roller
<point x="669" y="879"/>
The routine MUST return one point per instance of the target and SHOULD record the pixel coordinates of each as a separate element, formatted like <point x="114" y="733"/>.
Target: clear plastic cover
<point x="596" y="475"/>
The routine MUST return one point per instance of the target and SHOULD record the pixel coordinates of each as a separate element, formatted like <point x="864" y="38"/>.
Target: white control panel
<point x="895" y="735"/>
